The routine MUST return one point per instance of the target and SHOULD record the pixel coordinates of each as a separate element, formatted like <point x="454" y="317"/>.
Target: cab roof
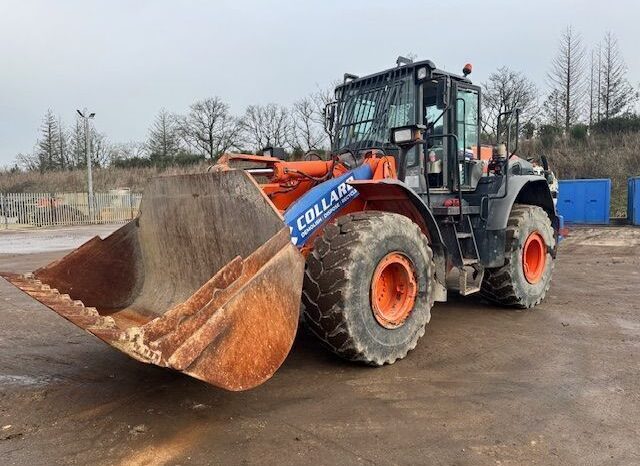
<point x="400" y="71"/>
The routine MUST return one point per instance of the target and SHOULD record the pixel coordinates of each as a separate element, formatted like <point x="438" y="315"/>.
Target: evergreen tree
<point x="48" y="145"/>
<point x="163" y="142"/>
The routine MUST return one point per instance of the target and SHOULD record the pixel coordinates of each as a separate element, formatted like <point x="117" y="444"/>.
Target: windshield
<point x="367" y="111"/>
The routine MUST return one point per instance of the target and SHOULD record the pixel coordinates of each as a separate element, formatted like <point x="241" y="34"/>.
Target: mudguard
<point x="392" y="189"/>
<point x="526" y="189"/>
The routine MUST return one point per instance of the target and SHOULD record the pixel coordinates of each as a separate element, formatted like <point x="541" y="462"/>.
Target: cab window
<point x="467" y="105"/>
<point x="435" y="120"/>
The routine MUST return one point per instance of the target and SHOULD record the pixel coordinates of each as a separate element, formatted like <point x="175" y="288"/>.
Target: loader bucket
<point x="204" y="281"/>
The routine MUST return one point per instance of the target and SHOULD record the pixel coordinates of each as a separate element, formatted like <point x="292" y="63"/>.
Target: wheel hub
<point x="393" y="290"/>
<point x="534" y="257"/>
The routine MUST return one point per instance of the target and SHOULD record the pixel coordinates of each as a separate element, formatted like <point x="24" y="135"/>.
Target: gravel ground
<point x="556" y="385"/>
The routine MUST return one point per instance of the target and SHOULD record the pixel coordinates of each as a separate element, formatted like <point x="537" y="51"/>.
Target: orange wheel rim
<point x="393" y="290"/>
<point x="534" y="257"/>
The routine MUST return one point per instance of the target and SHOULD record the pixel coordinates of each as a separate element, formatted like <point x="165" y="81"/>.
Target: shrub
<point x="623" y="124"/>
<point x="579" y="132"/>
<point x="549" y="134"/>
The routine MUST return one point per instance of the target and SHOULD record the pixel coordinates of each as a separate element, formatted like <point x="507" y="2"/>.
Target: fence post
<point x="4" y="211"/>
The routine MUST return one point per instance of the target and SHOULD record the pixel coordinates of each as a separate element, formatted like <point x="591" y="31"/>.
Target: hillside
<point x="603" y="156"/>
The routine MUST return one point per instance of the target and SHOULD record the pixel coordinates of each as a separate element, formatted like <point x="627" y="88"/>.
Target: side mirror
<point x="511" y="130"/>
<point x="443" y="93"/>
<point x="330" y="115"/>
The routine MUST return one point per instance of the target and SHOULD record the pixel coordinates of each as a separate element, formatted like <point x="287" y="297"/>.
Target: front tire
<point x="525" y="277"/>
<point x="368" y="288"/>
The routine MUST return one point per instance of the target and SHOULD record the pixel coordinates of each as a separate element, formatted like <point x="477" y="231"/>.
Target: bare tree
<point x="77" y="156"/>
<point x="209" y="128"/>
<point x="506" y="90"/>
<point x="230" y="134"/>
<point x="164" y="140"/>
<point x="567" y="76"/>
<point x="412" y="56"/>
<point x="308" y="134"/>
<point x="127" y="150"/>
<point x="599" y="82"/>
<point x="99" y="147"/>
<point x="29" y="162"/>
<point x="617" y="94"/>
<point x="594" y="73"/>
<point x="268" y="125"/>
<point x="63" y="146"/>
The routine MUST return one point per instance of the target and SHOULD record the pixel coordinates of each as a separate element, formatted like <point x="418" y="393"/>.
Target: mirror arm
<point x="330" y="115"/>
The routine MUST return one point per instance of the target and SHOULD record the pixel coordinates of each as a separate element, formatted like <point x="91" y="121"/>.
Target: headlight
<point x="422" y="73"/>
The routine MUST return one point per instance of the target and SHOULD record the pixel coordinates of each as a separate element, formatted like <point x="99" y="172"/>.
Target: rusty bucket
<point x="204" y="281"/>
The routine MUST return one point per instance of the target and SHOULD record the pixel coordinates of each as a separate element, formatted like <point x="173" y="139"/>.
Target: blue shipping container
<point x="633" y="201"/>
<point x="585" y="201"/>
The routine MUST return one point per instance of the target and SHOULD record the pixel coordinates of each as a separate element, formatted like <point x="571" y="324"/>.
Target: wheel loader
<point x="215" y="273"/>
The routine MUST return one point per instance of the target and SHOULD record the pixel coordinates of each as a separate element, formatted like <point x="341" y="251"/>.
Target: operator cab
<point x="447" y="105"/>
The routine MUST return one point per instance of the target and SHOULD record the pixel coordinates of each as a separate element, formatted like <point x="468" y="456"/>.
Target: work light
<point x="407" y="135"/>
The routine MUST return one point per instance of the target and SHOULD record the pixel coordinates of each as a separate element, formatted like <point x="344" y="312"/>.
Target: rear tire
<point x="338" y="291"/>
<point x="521" y="282"/>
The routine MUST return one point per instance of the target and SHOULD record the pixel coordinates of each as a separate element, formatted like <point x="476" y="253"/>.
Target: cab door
<point x="467" y="128"/>
<point x="436" y="154"/>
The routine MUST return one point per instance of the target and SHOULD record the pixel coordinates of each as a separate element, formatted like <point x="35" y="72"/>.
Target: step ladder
<point x="471" y="272"/>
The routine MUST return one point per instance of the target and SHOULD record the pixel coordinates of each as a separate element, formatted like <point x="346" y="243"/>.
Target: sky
<point x="127" y="59"/>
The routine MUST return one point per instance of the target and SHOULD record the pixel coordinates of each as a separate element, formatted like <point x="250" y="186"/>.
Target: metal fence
<point x="18" y="210"/>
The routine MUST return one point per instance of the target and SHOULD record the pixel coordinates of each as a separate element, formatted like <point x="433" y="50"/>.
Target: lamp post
<point x="86" y="117"/>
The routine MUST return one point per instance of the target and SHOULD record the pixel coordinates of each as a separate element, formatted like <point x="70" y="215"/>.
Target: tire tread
<point x="327" y="281"/>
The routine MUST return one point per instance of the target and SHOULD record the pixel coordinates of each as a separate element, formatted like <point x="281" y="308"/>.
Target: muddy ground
<point x="557" y="385"/>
